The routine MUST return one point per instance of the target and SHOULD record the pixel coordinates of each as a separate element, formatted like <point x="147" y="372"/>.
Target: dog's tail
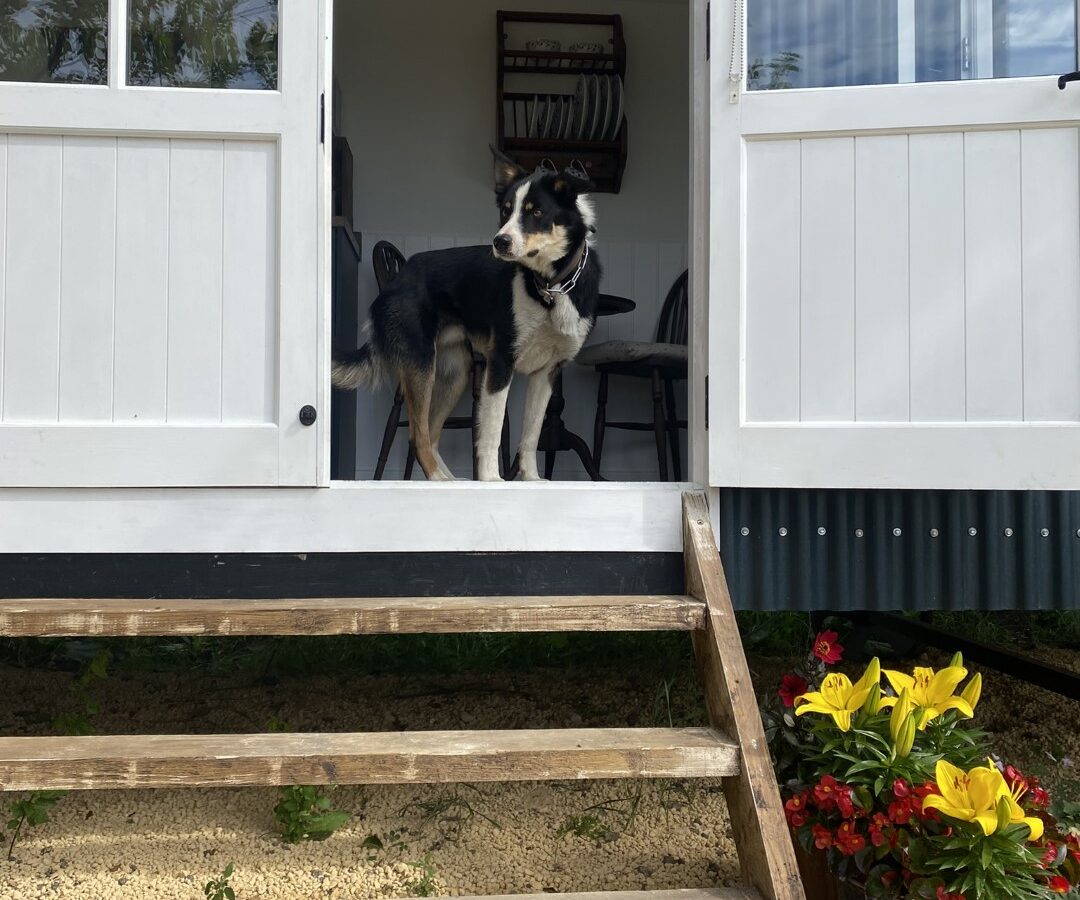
<point x="360" y="368"/>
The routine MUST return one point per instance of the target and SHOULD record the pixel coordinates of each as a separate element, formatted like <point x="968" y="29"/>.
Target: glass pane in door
<point x="203" y="43"/>
<point x="62" y="41"/>
<point x="828" y="43"/>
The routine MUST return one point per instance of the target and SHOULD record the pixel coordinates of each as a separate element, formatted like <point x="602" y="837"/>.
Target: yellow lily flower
<point x="871" y="681"/>
<point x="838" y="698"/>
<point x="902" y="723"/>
<point x="973" y="691"/>
<point x="980" y="796"/>
<point x="931" y="691"/>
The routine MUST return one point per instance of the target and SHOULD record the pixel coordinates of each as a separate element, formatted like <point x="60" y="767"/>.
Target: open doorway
<point x="415" y="108"/>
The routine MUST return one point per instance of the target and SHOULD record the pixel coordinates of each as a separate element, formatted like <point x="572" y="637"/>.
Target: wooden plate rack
<point x="605" y="161"/>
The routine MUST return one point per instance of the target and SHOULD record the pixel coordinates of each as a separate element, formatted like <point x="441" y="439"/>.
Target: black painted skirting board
<point x="263" y="575"/>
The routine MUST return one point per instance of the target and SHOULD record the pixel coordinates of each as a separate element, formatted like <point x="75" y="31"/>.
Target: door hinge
<point x="708" y="30"/>
<point x="706" y="402"/>
<point x="322" y="118"/>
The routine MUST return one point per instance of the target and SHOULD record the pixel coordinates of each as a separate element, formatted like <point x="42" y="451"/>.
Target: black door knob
<point x="308" y="415"/>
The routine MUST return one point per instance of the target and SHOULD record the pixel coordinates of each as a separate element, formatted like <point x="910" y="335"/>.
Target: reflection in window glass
<point x="203" y="43"/>
<point x="54" y="40"/>
<point x="826" y="43"/>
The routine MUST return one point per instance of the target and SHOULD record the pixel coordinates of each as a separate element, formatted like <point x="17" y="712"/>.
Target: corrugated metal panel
<point x="901" y="550"/>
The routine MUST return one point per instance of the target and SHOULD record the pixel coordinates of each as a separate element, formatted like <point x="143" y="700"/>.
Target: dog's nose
<point x="501" y="243"/>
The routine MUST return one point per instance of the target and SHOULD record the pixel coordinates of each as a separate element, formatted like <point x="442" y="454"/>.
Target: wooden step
<point x="74" y="617"/>
<point x="224" y="760"/>
<point x="718" y="893"/>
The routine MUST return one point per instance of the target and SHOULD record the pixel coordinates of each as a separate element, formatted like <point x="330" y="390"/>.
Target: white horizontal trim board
<point x="961" y="456"/>
<point x="346" y="517"/>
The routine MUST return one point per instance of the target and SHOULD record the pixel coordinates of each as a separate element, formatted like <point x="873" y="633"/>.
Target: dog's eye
<point x="538" y="213"/>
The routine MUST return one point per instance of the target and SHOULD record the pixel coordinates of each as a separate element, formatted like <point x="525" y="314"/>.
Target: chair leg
<point x="479" y="368"/>
<point x="600" y="425"/>
<point x="392" y="423"/>
<point x="673" y="428"/>
<point x="410" y="461"/>
<point x="659" y="425"/>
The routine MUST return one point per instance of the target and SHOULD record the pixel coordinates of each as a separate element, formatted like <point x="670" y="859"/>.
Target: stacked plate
<point x="594" y="113"/>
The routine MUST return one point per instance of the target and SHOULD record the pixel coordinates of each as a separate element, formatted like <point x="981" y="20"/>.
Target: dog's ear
<point x="506" y="171"/>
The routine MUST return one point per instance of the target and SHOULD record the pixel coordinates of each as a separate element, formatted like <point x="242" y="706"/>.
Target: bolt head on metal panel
<point x="1008" y="532"/>
<point x="744" y="531"/>
<point x="782" y="531"/>
<point x="1045" y="532"/>
<point x="896" y="532"/>
<point x="973" y="531"/>
<point x="859" y="532"/>
<point x="821" y="530"/>
<point x="934" y="532"/>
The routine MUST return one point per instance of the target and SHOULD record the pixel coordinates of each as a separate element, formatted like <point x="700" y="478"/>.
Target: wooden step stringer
<point x="733" y="748"/>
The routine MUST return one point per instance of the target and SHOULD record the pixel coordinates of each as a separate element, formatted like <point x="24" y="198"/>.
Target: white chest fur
<point x="545" y="336"/>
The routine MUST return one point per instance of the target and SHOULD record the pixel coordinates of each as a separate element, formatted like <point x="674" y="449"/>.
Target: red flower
<point x="1038" y="797"/>
<point x="848" y="840"/>
<point x="943" y="894"/>
<point x="823" y="838"/>
<point x="1014" y="776"/>
<point x="1073" y="843"/>
<point x="887" y="878"/>
<point x="1050" y="856"/>
<point x="901" y="789"/>
<point x="921" y="793"/>
<point x="792" y="686"/>
<point x="1059" y="884"/>
<point x="825" y="792"/>
<point x="826" y="649"/>
<point x="795" y="810"/>
<point x="878" y="826"/>
<point x="844" y="803"/>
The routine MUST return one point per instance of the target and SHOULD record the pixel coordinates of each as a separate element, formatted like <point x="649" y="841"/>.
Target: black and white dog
<point x="527" y="303"/>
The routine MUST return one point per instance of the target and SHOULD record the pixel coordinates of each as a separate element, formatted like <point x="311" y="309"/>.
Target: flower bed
<point x="895" y="789"/>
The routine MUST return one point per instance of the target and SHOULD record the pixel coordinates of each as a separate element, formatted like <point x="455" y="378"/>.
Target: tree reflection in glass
<point x="54" y="41"/>
<point x="203" y="43"/>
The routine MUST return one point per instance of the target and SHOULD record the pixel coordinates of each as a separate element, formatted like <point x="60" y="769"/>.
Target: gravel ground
<point x="122" y="845"/>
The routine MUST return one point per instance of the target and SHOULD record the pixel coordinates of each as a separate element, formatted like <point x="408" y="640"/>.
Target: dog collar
<point x="559" y="285"/>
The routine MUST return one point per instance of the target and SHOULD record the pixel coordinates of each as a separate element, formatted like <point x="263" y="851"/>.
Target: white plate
<point x="594" y="102"/>
<point x="618" y="107"/>
<point x="559" y="120"/>
<point x="568" y="128"/>
<point x="581" y="108"/>
<point x="545" y="121"/>
<point x="531" y="132"/>
<point x="605" y="119"/>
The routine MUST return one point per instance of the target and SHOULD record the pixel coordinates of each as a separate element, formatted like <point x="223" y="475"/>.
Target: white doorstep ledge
<point x="369" y="516"/>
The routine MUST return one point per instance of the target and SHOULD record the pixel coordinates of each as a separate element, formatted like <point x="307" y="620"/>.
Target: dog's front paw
<point x="489" y="478"/>
<point x="530" y="476"/>
<point x="439" y="475"/>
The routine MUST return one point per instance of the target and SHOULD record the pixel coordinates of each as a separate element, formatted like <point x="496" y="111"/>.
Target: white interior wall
<point x="417" y="82"/>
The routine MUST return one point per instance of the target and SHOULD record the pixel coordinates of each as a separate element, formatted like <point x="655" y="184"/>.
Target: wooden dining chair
<point x="663" y="361"/>
<point x="387" y="261"/>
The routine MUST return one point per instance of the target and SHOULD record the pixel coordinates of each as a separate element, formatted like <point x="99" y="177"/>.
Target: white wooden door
<point x="895" y="244"/>
<point x="159" y="242"/>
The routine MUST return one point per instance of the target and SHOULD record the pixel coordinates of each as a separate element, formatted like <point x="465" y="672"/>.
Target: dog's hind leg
<point x="418" y="385"/>
<point x="453" y="367"/>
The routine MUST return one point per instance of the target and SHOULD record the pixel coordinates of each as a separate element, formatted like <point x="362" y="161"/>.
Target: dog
<point x="526" y="303"/>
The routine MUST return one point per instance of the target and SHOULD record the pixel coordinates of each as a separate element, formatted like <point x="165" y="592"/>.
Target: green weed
<point x="32" y="811"/>
<point x="448" y="812"/>
<point x="219" y="888"/>
<point x="427" y="884"/>
<point x="77" y="721"/>
<point x="306" y="814"/>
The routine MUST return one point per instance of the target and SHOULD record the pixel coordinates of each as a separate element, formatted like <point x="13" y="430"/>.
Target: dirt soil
<point x="165" y="844"/>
